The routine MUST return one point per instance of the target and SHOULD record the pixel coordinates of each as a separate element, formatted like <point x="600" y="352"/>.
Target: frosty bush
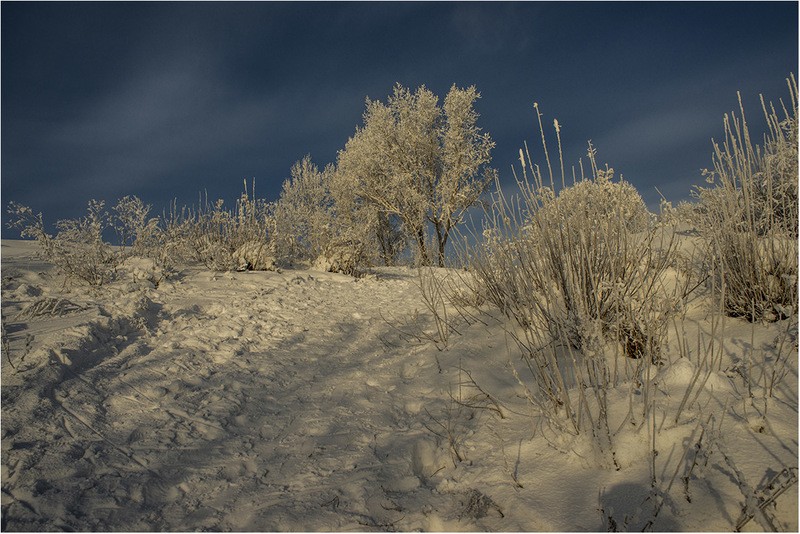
<point x="303" y="215"/>
<point x="77" y="250"/>
<point x="600" y="200"/>
<point x="134" y="227"/>
<point x="318" y="220"/>
<point x="362" y="233"/>
<point x="344" y="257"/>
<point x="220" y="238"/>
<point x="582" y="265"/>
<point x="582" y="274"/>
<point x="144" y="237"/>
<point x="750" y="215"/>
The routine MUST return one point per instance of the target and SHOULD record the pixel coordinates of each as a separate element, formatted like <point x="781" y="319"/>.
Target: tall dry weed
<point x="749" y="216"/>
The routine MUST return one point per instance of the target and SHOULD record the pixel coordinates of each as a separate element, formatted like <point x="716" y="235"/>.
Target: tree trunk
<point x="382" y="233"/>
<point x="385" y="255"/>
<point x="423" y="252"/>
<point x="441" y="239"/>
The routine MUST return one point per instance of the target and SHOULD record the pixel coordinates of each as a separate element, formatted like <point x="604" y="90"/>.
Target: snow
<point x="306" y="401"/>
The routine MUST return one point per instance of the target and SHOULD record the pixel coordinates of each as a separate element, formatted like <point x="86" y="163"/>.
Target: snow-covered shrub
<point x="683" y="216"/>
<point x="361" y="231"/>
<point x="341" y="257"/>
<point x="144" y="237"/>
<point x="750" y="215"/>
<point x="30" y="225"/>
<point x="601" y="200"/>
<point x="134" y="227"/>
<point x="142" y="271"/>
<point x="580" y="265"/>
<point x="318" y="219"/>
<point x="581" y="272"/>
<point x="303" y="216"/>
<point x="254" y="256"/>
<point x="77" y="250"/>
<point x="220" y="238"/>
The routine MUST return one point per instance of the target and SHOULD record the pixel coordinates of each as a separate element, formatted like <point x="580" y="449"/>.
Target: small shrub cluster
<point x="303" y="217"/>
<point x="583" y="265"/>
<point x="317" y="220"/>
<point x="78" y="250"/>
<point x="219" y="238"/>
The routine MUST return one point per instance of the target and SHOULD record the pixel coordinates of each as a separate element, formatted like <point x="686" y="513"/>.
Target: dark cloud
<point x="487" y="30"/>
<point x="165" y="100"/>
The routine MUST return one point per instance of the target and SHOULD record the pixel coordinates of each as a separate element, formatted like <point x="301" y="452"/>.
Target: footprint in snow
<point x="136" y="435"/>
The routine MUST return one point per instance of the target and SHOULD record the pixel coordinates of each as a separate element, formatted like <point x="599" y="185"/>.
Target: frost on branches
<point x="420" y="162"/>
<point x="318" y="220"/>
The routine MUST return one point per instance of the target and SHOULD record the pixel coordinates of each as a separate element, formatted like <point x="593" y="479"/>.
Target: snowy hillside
<point x="310" y="401"/>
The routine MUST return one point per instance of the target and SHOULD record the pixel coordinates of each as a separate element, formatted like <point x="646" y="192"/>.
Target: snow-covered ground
<point x="302" y="400"/>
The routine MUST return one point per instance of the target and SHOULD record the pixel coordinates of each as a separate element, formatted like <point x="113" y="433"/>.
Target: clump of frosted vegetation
<point x="405" y="179"/>
<point x="407" y="176"/>
<point x="601" y="199"/>
<point x="581" y="270"/>
<point x="78" y="250"/>
<point x="303" y="215"/>
<point x="750" y="215"/>
<point x="222" y="239"/>
<point x="318" y="220"/>
<point x="219" y="238"/>
<point x="591" y="280"/>
<point x="585" y="264"/>
<point x="420" y="165"/>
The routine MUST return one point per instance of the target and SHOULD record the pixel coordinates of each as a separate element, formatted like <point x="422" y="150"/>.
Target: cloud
<point x="663" y="131"/>
<point x="160" y="119"/>
<point x="491" y="29"/>
<point x="181" y="123"/>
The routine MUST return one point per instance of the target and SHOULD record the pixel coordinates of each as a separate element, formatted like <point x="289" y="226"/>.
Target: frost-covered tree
<point x="465" y="156"/>
<point x="319" y="219"/>
<point x="303" y="214"/>
<point x="364" y="224"/>
<point x="420" y="162"/>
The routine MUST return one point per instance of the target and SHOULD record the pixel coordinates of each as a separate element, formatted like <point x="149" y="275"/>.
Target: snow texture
<point x="303" y="401"/>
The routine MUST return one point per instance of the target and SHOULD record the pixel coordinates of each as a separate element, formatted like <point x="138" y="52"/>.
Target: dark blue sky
<point x="164" y="100"/>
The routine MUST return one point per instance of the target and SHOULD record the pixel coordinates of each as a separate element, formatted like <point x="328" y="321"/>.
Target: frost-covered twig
<point x="52" y="306"/>
<point x="449" y="430"/>
<point x="481" y="400"/>
<point x="433" y="295"/>
<point x="756" y="502"/>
